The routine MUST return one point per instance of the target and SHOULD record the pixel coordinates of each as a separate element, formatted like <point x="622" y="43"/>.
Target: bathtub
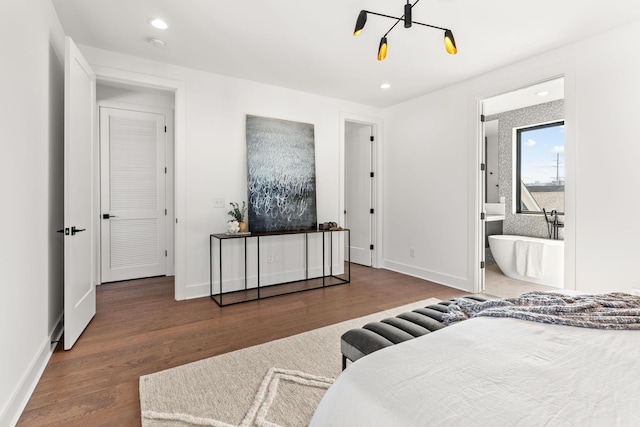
<point x="503" y="248"/>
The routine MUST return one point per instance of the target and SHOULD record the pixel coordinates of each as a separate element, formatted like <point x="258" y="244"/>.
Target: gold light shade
<point x="362" y="19"/>
<point x="382" y="50"/>
<point x="450" y="43"/>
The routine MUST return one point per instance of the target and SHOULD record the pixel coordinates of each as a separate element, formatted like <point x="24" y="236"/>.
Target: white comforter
<point x="493" y="372"/>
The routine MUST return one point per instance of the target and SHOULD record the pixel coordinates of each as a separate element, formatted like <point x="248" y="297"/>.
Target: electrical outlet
<point x="635" y="291"/>
<point x="412" y="252"/>
<point x="269" y="259"/>
<point x="277" y="258"/>
<point x="218" y="202"/>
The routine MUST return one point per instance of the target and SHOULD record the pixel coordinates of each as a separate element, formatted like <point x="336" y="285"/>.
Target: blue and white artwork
<point x="281" y="175"/>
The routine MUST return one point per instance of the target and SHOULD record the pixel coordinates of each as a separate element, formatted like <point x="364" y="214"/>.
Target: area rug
<point x="276" y="384"/>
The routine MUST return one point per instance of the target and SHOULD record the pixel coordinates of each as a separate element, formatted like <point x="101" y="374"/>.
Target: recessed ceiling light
<point x="158" y="23"/>
<point x="156" y="42"/>
<point x="385" y="86"/>
<point x="543" y="93"/>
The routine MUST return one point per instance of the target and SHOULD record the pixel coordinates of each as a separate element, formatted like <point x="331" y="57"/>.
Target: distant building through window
<point x="540" y="168"/>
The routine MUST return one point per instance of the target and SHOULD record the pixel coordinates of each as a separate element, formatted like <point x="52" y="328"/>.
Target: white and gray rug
<point x="275" y="384"/>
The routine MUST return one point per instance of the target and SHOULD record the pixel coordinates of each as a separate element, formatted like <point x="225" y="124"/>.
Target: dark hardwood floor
<point x="139" y="329"/>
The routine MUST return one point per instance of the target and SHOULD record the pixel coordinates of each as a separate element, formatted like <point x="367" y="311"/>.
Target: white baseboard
<point x="432" y="276"/>
<point x="23" y="392"/>
<point x="203" y="289"/>
<point x="197" y="291"/>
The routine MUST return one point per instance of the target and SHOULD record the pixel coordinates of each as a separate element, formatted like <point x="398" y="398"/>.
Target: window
<point x="540" y="168"/>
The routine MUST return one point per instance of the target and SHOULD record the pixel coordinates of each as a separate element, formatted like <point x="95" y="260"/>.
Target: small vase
<point x="233" y="227"/>
<point x="242" y="227"/>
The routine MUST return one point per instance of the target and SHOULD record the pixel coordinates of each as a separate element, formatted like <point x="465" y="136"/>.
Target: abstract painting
<point x="281" y="175"/>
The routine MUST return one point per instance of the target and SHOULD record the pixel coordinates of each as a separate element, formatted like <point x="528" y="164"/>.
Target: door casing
<point x="378" y="216"/>
<point x="359" y="191"/>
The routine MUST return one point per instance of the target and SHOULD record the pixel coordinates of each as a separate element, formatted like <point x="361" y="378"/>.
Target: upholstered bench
<point x="373" y="336"/>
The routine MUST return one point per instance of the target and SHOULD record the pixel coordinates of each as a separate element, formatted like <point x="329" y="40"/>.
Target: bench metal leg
<point x="344" y="362"/>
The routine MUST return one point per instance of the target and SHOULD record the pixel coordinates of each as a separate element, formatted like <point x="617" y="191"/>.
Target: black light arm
<point x="402" y="19"/>
<point x="450" y="44"/>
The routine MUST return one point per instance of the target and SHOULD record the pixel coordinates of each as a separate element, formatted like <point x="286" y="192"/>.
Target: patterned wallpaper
<point x="521" y="224"/>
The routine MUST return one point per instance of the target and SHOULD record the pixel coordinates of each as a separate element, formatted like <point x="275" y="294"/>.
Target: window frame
<point x="518" y="168"/>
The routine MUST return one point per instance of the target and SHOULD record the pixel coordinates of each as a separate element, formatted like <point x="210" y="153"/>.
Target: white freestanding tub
<point x="503" y="248"/>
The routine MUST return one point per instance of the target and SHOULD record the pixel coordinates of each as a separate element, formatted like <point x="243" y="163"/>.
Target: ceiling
<point x="538" y="93"/>
<point x="309" y="46"/>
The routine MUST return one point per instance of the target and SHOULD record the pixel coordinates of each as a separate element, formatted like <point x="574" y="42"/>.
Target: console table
<point x="328" y="278"/>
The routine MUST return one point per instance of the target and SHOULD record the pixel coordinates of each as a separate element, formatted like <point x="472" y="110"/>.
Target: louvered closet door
<point x="132" y="145"/>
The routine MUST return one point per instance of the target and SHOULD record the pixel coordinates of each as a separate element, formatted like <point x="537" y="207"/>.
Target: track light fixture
<point x="449" y="41"/>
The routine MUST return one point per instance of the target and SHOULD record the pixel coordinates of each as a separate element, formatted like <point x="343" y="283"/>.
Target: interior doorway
<point x="359" y="190"/>
<point x="133" y="194"/>
<point x="512" y="178"/>
<point x="137" y="191"/>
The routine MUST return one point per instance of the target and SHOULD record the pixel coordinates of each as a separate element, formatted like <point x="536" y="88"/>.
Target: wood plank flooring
<point x="139" y="329"/>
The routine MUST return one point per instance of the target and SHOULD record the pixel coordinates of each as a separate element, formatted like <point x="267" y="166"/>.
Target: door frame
<point x="377" y="184"/>
<point x="562" y="69"/>
<point x="482" y="226"/>
<point x="349" y="177"/>
<point x="178" y="87"/>
<point x="169" y="177"/>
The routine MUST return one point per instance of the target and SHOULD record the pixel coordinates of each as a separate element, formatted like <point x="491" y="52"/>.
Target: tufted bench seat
<point x="373" y="336"/>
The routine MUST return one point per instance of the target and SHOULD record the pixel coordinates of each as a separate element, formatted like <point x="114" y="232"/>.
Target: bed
<point x="493" y="371"/>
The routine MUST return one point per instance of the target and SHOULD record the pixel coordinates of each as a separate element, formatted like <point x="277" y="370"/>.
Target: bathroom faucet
<point x="553" y="223"/>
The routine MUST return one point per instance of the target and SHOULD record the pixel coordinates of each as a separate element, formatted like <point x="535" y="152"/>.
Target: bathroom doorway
<point x="518" y="188"/>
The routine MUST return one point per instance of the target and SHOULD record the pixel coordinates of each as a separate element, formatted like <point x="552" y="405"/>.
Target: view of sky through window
<point x="542" y="155"/>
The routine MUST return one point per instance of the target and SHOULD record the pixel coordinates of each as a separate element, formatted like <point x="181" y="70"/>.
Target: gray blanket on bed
<point x="606" y="311"/>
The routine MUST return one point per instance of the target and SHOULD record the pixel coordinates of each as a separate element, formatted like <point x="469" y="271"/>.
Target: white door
<point x="79" y="142"/>
<point x="132" y="157"/>
<point x="358" y="181"/>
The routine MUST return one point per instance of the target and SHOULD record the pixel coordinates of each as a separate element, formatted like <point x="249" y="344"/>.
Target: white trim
<point x="14" y="408"/>
<point x="429" y="275"/>
<point x="376" y="128"/>
<point x="104" y="73"/>
<point x="134" y="107"/>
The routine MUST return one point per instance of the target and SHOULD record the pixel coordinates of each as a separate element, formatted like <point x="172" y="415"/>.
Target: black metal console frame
<point x="221" y="237"/>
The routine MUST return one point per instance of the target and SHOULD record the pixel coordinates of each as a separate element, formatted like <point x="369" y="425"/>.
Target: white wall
<point x="214" y="146"/>
<point x="432" y="155"/>
<point x="426" y="173"/>
<point x="607" y="150"/>
<point x="31" y="182"/>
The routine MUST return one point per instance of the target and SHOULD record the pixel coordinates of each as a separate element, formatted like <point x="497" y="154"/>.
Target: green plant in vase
<point x="237" y="224"/>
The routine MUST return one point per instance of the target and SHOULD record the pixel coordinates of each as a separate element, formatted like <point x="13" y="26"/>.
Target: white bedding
<point x="493" y="372"/>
